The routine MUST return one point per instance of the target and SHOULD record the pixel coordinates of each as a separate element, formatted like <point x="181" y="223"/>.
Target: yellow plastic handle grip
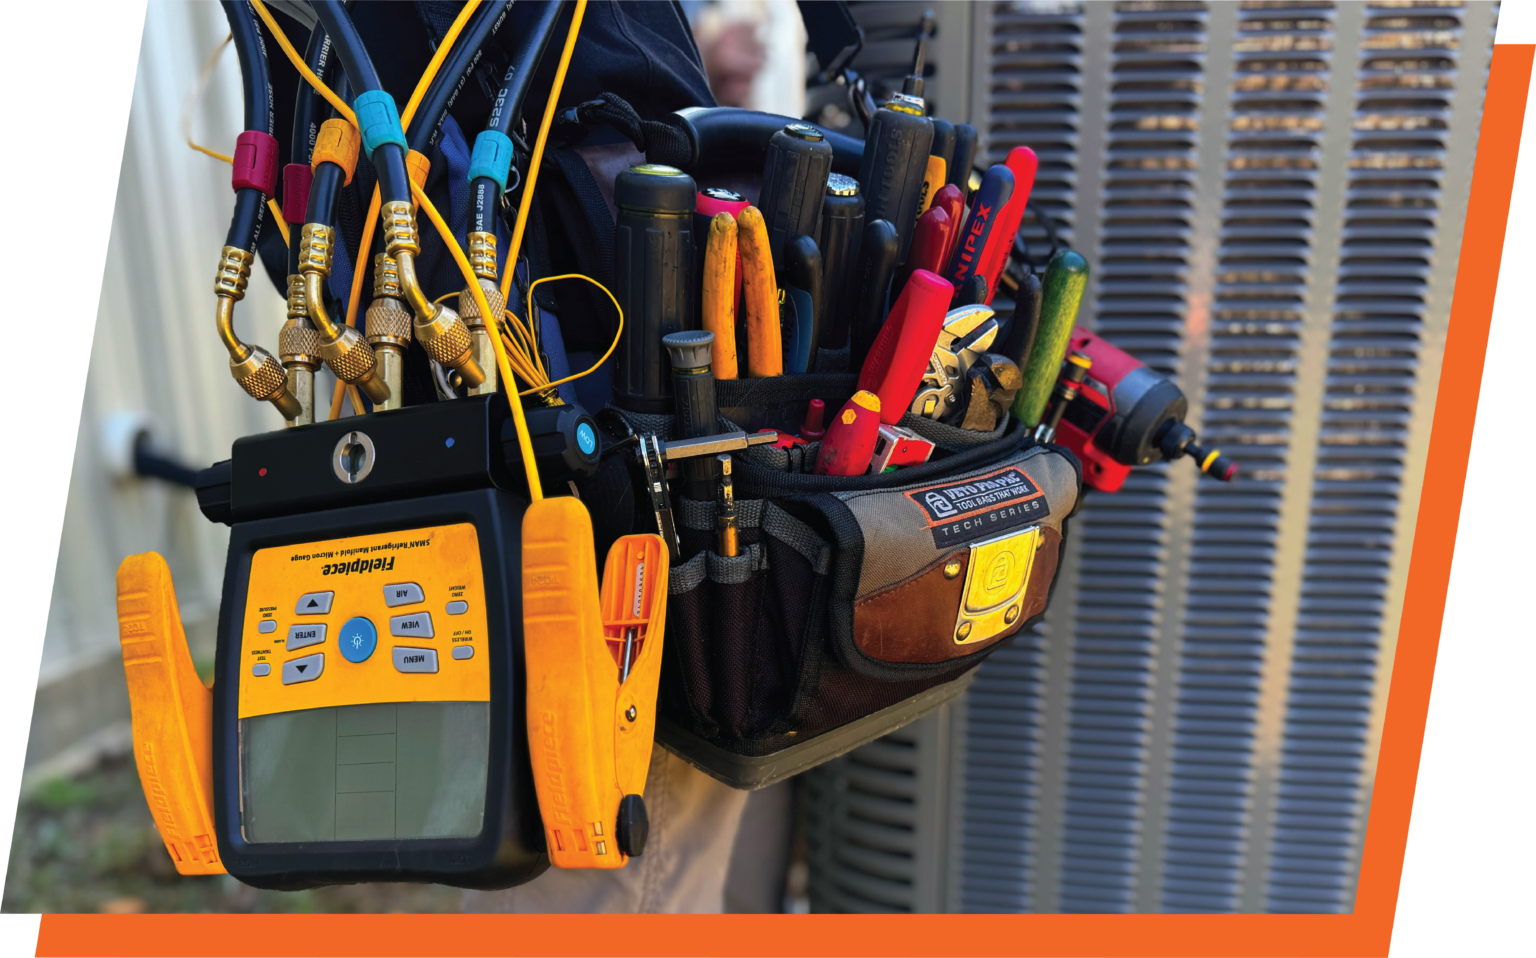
<point x="587" y="753"/>
<point x="172" y="714"/>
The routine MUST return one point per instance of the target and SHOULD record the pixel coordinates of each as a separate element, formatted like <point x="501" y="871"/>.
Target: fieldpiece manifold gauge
<point x="368" y="718"/>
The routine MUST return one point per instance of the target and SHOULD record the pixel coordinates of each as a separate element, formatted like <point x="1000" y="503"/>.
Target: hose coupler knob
<point x="263" y="377"/>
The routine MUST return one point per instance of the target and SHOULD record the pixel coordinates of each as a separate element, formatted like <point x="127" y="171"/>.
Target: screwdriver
<point x="802" y="293"/>
<point x="934" y="229"/>
<point x="952" y="201"/>
<point x="965" y="157"/>
<point x="1067" y="387"/>
<point x="794" y="184"/>
<point x="842" y="233"/>
<point x="894" y="368"/>
<point x="655" y="210"/>
<point x="877" y="266"/>
<point x="943" y="145"/>
<point x="725" y="510"/>
<point x="850" y="441"/>
<point x="895" y="162"/>
<point x="1066" y="276"/>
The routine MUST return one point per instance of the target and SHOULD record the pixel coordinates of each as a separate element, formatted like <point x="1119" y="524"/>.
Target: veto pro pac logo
<point x="981" y="506"/>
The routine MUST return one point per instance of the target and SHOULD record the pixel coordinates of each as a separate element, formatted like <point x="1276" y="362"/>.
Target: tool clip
<point x="594" y="665"/>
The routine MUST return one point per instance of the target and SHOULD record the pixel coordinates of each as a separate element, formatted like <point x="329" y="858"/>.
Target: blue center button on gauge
<point x="586" y="438"/>
<point x="358" y="639"/>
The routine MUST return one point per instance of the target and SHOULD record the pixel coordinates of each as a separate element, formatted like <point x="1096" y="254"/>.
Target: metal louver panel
<point x="1391" y="217"/>
<point x="1037" y="63"/>
<point x="1271" y="194"/>
<point x="1035" y="100"/>
<point x="1002" y="778"/>
<point x="1265" y="255"/>
<point x="1142" y="264"/>
<point x="879" y="839"/>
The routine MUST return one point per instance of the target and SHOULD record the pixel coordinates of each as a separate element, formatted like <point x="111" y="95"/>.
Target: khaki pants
<point x="694" y="821"/>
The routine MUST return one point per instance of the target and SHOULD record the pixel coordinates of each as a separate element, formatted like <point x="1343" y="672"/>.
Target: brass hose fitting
<point x="389" y="327"/>
<point x="482" y="259"/>
<point x="257" y="372"/>
<point x="343" y="348"/>
<point x="298" y="345"/>
<point x="439" y="329"/>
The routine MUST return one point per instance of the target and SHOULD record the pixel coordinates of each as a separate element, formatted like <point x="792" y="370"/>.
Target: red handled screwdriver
<point x="850" y="441"/>
<point x="894" y="368"/>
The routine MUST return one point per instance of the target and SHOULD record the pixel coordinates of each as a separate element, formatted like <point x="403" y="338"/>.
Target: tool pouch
<point x="856" y="603"/>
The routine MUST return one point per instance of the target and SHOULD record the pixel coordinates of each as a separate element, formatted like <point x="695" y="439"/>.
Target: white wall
<point x="155" y="349"/>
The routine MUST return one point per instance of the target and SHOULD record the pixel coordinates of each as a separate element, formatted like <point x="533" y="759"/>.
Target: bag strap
<point x="660" y="142"/>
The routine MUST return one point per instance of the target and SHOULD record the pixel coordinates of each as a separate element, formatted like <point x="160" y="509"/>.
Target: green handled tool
<point x="1066" y="276"/>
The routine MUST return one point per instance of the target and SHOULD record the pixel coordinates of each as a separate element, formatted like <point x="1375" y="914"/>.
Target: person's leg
<point x="760" y="861"/>
<point x="694" y="820"/>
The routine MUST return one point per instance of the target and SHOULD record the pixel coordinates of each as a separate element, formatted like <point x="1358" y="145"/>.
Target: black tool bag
<point x="855" y="604"/>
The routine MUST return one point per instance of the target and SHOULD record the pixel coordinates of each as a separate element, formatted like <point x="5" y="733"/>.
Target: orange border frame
<point x="1367" y="931"/>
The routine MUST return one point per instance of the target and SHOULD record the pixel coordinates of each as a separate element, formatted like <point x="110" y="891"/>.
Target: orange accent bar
<point x="172" y="714"/>
<point x="337" y="142"/>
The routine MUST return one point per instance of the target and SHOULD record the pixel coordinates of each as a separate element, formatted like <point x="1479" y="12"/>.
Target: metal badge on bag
<point x="996" y="581"/>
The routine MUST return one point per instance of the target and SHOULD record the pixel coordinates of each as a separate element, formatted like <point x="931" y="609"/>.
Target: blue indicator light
<point x="448" y="442"/>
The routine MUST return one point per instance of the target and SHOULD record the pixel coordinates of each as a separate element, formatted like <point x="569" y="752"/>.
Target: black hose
<point x="388" y="159"/>
<point x="256" y="83"/>
<point x="317" y="56"/>
<point x="484" y="197"/>
<point x="250" y="204"/>
<point x="450" y="76"/>
<point x="245" y="225"/>
<point x="527" y="54"/>
<point x="349" y="45"/>
<point x="323" y="190"/>
<point x="329" y="178"/>
<point x="306" y="122"/>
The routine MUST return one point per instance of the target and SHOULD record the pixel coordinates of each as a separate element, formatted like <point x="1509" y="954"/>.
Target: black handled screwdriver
<point x="877" y="266"/>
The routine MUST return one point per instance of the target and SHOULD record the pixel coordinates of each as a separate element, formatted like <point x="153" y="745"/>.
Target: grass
<point x="88" y="844"/>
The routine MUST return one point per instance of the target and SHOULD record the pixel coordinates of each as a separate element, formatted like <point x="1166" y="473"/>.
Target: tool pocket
<point x="856" y="602"/>
<point x="742" y="623"/>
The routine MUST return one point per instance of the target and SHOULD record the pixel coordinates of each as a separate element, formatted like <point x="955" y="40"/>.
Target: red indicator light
<point x="262" y="471"/>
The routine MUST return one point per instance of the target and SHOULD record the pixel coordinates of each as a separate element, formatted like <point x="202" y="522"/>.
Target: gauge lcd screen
<point x="386" y="771"/>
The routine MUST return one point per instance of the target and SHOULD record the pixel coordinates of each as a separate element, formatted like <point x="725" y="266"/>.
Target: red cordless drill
<point x="1126" y="415"/>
